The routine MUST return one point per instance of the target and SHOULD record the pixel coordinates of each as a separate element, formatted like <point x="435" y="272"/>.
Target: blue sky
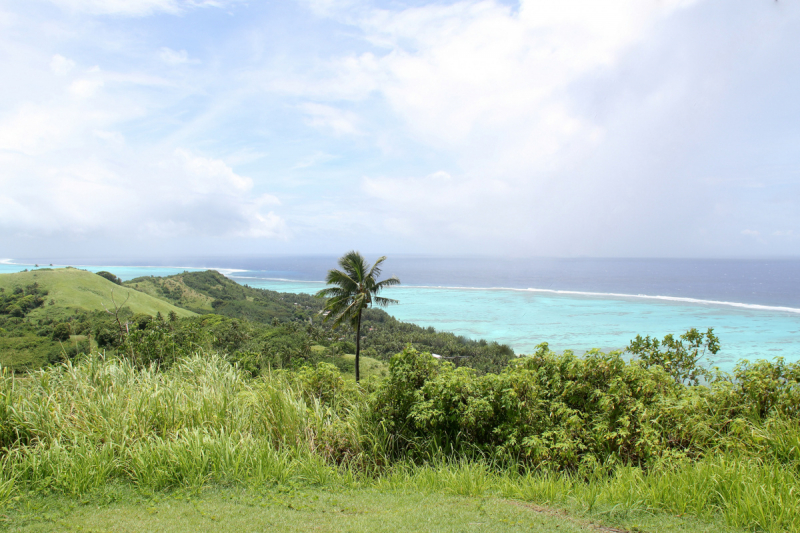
<point x="540" y="127"/>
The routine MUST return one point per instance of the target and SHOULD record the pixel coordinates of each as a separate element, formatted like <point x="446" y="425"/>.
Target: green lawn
<point x="316" y="509"/>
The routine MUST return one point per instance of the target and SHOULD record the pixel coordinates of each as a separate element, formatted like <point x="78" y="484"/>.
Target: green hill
<point x="384" y="336"/>
<point x="35" y="304"/>
<point x="40" y="309"/>
<point x="211" y="292"/>
<point x="70" y="289"/>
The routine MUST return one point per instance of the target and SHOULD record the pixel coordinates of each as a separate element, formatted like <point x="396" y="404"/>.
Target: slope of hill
<point x="47" y="315"/>
<point x="211" y="292"/>
<point x="70" y="289"/>
<point x="383" y="335"/>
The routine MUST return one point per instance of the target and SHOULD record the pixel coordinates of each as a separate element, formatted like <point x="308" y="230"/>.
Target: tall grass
<point x="75" y="428"/>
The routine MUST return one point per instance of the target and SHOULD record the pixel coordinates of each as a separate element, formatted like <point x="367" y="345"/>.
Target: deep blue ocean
<point x="577" y="304"/>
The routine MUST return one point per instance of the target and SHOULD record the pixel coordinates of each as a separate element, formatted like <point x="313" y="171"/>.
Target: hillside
<point x="383" y="335"/>
<point x="49" y="315"/>
<point x="211" y="292"/>
<point x="71" y="289"/>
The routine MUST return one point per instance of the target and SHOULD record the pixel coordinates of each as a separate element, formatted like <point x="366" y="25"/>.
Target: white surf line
<point x="758" y="307"/>
<point x="277" y="279"/>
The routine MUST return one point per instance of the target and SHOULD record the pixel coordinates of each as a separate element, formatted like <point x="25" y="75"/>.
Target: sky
<point x="560" y="128"/>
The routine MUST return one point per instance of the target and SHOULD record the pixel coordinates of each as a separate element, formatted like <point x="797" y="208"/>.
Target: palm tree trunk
<point x="358" y="347"/>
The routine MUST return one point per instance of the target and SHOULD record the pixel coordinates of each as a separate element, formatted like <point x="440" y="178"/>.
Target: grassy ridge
<point x="66" y="296"/>
<point x="211" y="292"/>
<point x="71" y="290"/>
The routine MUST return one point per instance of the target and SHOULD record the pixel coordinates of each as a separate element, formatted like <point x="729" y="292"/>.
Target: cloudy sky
<point x="525" y="128"/>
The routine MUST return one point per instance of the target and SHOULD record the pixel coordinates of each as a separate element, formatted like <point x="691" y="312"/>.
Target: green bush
<point x="564" y="412"/>
<point x="110" y="277"/>
<point x="554" y="410"/>
<point x="759" y="389"/>
<point x="61" y="332"/>
<point x="324" y="383"/>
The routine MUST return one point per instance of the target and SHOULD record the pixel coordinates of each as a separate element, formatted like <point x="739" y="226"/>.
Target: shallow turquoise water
<point x="523" y="319"/>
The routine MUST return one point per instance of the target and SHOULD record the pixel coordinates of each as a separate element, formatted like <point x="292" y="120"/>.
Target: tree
<point x="354" y="288"/>
<point x="110" y="277"/>
<point x="123" y="328"/>
<point x="680" y="360"/>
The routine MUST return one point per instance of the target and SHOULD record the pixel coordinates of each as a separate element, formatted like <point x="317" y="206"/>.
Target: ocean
<point x="577" y="304"/>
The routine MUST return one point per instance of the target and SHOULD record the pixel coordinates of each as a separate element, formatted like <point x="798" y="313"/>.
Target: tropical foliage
<point x="600" y="429"/>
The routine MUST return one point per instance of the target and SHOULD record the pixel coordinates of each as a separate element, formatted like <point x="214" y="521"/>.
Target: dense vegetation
<point x="610" y="432"/>
<point x="382" y="335"/>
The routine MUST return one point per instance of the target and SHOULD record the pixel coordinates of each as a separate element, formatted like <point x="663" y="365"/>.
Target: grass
<point x="101" y="430"/>
<point x="308" y="509"/>
<point x="370" y="367"/>
<point x="72" y="289"/>
<point x="319" y="508"/>
<point x="177" y="289"/>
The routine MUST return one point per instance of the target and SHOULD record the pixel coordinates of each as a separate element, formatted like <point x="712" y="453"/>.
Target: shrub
<point x="110" y="277"/>
<point x="679" y="357"/>
<point x="549" y="409"/>
<point x="326" y="384"/>
<point x="61" y="332"/>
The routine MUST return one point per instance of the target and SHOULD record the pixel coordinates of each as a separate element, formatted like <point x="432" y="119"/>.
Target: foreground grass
<point x="107" y="434"/>
<point x="293" y="508"/>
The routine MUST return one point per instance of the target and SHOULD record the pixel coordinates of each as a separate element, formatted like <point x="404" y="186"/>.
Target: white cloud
<point x="34" y="129"/>
<point x="61" y="65"/>
<point x="138" y="8"/>
<point x="750" y="232"/>
<point x="173" y="57"/>
<point x="164" y="196"/>
<point x="609" y="111"/>
<point x="335" y="120"/>
<point x="209" y="175"/>
<point x="86" y="88"/>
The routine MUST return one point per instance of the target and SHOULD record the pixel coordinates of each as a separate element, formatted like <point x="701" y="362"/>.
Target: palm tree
<point x="354" y="288"/>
